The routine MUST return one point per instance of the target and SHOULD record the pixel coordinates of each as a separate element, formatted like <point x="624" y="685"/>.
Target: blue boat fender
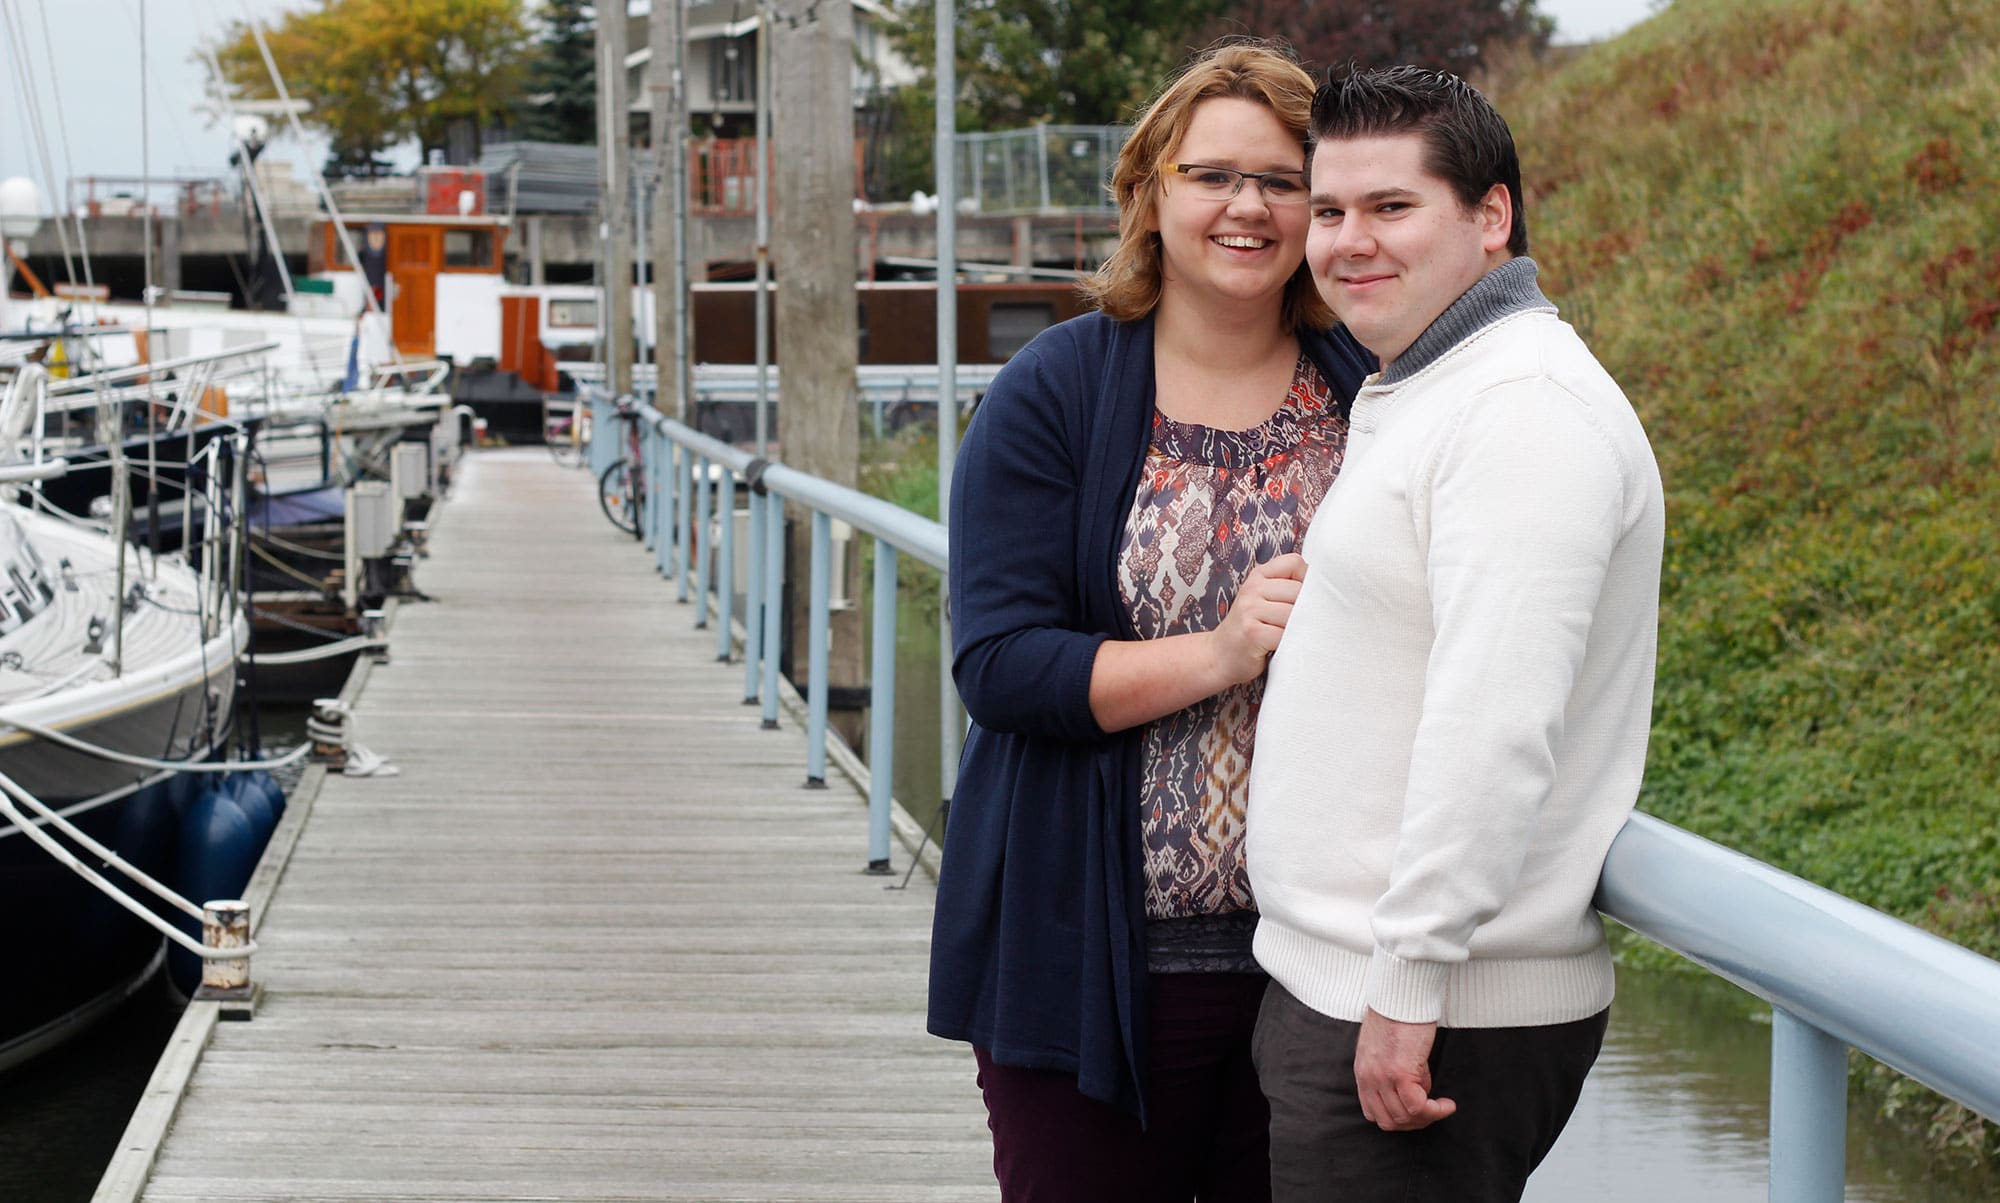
<point x="219" y="847"/>
<point x="256" y="804"/>
<point x="274" y="794"/>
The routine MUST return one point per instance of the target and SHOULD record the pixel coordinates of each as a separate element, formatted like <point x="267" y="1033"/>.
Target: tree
<point x="1028" y="62"/>
<point x="1456" y="35"/>
<point x="560" y="101"/>
<point x="380" y="71"/>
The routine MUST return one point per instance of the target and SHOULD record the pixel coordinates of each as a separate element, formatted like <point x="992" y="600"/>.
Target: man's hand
<point x="1392" y="1072"/>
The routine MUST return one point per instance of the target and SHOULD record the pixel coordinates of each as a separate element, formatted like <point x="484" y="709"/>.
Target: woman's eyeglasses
<point x="1223" y="183"/>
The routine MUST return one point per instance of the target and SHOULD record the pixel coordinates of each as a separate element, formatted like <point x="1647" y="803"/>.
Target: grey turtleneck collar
<point x="1502" y="292"/>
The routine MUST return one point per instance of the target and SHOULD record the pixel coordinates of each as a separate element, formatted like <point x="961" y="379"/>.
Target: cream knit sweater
<point x="1456" y="720"/>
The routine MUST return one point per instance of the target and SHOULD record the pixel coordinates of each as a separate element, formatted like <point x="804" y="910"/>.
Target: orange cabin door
<point x="413" y="256"/>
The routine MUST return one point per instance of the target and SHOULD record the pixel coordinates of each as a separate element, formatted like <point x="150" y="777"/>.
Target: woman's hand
<point x="1255" y="621"/>
<point x="1137" y="680"/>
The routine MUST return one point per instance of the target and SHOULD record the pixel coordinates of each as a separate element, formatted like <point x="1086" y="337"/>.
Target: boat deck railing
<point x="1837" y="974"/>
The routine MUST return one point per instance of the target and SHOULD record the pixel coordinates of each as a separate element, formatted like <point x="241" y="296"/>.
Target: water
<point x="61" y="1114"/>
<point x="1678" y="1106"/>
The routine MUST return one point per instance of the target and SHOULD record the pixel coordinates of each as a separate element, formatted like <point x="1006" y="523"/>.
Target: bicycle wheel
<point x="565" y="447"/>
<point x="563" y="432"/>
<point x="621" y="490"/>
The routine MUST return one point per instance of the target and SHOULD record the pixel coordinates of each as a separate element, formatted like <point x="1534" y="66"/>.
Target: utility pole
<point x="664" y="81"/>
<point x="614" y="231"/>
<point x="945" y="164"/>
<point x="812" y="80"/>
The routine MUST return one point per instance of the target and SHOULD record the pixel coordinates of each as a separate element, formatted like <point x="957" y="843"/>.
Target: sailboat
<point x="118" y="670"/>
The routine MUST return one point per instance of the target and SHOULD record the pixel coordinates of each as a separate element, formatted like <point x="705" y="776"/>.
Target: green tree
<point x="380" y="71"/>
<point x="1021" y="62"/>
<point x="559" y="103"/>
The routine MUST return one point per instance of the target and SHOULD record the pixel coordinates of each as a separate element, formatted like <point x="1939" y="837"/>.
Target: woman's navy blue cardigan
<point x="1038" y="950"/>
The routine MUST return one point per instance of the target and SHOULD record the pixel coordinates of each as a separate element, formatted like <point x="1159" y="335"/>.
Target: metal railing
<point x="689" y="478"/>
<point x="1836" y="973"/>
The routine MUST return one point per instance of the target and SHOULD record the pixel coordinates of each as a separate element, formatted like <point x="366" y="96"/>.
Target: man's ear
<point x="1496" y="218"/>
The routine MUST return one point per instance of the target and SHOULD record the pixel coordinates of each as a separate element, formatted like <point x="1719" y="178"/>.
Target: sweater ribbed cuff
<point x="1406" y="991"/>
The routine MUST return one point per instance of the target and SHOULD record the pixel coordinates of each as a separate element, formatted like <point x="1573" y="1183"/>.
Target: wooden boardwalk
<point x="595" y="942"/>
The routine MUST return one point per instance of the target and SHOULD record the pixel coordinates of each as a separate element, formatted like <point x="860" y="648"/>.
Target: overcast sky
<point x="86" y="59"/>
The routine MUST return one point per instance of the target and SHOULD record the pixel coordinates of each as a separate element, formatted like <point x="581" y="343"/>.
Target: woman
<point x="1122" y="524"/>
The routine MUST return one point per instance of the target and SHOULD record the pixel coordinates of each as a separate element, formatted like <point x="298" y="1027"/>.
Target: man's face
<point x="1390" y="245"/>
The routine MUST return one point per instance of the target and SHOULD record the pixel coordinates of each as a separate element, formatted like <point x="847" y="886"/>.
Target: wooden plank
<point x="594" y="941"/>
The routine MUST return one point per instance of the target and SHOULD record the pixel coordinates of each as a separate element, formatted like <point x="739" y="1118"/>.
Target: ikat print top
<point x="1212" y="504"/>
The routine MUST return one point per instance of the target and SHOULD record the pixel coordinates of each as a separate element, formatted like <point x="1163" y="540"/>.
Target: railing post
<point x="700" y="536"/>
<point x="665" y="482"/>
<point x="1808" y="1112"/>
<point x="816" y="688"/>
<point x="753" y="598"/>
<point x="725" y="589"/>
<point x="658" y="449"/>
<point x="682" y="506"/>
<point x="882" y="709"/>
<point x="774" y="580"/>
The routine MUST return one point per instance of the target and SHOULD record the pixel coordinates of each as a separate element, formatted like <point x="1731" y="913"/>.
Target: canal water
<point x="1677" y="1108"/>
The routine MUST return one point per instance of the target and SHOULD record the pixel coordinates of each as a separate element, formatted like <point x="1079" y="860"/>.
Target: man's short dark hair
<point x="1468" y="144"/>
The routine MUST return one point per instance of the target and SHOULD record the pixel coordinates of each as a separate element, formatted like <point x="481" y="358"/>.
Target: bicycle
<point x="621" y="489"/>
<point x="565" y="430"/>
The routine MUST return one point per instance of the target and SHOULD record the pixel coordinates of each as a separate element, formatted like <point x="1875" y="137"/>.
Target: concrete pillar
<point x="169" y="228"/>
<point x="812" y="62"/>
<point x="614" y="156"/>
<point x="669" y="123"/>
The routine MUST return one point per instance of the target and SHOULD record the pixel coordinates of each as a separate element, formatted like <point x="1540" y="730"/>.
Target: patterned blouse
<point x="1210" y="505"/>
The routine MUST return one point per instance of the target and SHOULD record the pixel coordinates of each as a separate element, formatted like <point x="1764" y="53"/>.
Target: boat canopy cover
<point x="302" y="508"/>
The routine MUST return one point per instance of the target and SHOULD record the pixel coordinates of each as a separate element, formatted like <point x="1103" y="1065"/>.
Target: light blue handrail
<point x="1836" y="973"/>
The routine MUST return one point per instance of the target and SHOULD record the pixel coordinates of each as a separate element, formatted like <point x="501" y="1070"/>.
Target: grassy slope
<point x="1778" y="223"/>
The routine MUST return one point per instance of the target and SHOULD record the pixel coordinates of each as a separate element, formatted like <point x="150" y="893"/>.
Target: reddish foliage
<point x="1820" y="249"/>
<point x="1707" y="274"/>
<point x="1935" y="167"/>
<point x="1457" y="35"/>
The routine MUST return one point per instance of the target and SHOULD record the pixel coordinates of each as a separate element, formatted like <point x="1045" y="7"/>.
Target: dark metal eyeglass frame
<point x="1241" y="176"/>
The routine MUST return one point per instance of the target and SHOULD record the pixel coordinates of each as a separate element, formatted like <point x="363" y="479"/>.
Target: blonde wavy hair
<point x="1128" y="284"/>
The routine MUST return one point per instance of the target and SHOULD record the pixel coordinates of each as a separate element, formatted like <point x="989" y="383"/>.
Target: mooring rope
<point x="10" y="791"/>
<point x="146" y="762"/>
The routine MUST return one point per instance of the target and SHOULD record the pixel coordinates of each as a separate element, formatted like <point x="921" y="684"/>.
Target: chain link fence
<point x="1041" y="169"/>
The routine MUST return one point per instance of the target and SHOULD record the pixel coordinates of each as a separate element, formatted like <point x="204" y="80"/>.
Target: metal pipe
<point x="1808" y="1112"/>
<point x="882" y="709"/>
<point x="652" y="447"/>
<point x="683" y="505"/>
<point x="660" y="499"/>
<point x="683" y="306"/>
<point x="774" y="581"/>
<point x="725" y="585"/>
<point x="701" y="542"/>
<point x="763" y="230"/>
<point x="950" y="722"/>
<point x="640" y="199"/>
<point x="753" y="599"/>
<point x="818" y="633"/>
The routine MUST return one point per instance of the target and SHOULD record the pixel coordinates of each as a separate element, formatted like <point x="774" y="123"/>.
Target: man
<point x="1456" y="721"/>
